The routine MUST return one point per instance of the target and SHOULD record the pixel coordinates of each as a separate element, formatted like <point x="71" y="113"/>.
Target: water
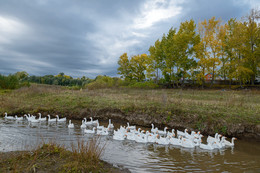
<point x="244" y="157"/>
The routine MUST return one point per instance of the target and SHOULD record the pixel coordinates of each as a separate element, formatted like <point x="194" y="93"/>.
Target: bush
<point x="144" y="85"/>
<point x="9" y="82"/>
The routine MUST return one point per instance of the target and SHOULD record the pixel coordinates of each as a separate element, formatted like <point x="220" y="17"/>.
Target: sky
<point x="87" y="37"/>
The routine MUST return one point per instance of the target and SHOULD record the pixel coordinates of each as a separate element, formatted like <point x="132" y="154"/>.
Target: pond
<point x="137" y="157"/>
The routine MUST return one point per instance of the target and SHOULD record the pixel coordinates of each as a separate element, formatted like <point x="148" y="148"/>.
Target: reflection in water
<point x="135" y="156"/>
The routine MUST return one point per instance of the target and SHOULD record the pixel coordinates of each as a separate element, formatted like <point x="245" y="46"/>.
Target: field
<point x="195" y="108"/>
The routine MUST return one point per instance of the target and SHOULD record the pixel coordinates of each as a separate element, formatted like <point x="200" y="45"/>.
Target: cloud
<point x="87" y="37"/>
<point x="156" y="11"/>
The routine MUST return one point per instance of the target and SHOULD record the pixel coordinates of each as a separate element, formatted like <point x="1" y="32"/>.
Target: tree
<point x="138" y="66"/>
<point x="155" y="60"/>
<point x="252" y="37"/>
<point x="124" y="68"/>
<point x="186" y="39"/>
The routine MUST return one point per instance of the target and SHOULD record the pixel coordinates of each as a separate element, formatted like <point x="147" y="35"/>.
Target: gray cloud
<point x="87" y="37"/>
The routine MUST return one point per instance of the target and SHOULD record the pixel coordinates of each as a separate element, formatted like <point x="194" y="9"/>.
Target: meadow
<point x="199" y="108"/>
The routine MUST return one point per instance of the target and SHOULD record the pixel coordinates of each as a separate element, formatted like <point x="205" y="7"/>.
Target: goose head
<point x="165" y="128"/>
<point x="186" y="130"/>
<point x="6" y="114"/>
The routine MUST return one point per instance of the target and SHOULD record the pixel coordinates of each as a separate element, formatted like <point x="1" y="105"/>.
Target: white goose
<point x="60" y="120"/>
<point x="51" y="119"/>
<point x="18" y="118"/>
<point x="154" y="130"/>
<point x="110" y="125"/>
<point x="40" y="117"/>
<point x="93" y="122"/>
<point x="213" y="139"/>
<point x="34" y="120"/>
<point x="170" y="134"/>
<point x="231" y="144"/>
<point x="130" y="127"/>
<point x="71" y="125"/>
<point x="118" y="135"/>
<point x="141" y="138"/>
<point x="88" y="123"/>
<point x="90" y="131"/>
<point x="187" y="143"/>
<point x="99" y="127"/>
<point x="180" y="133"/>
<point x="83" y="125"/>
<point x="175" y="141"/>
<point x="162" y="140"/>
<point x="103" y="131"/>
<point x="9" y="117"/>
<point x="130" y="136"/>
<point x="164" y="132"/>
<point x="206" y="147"/>
<point x="28" y="118"/>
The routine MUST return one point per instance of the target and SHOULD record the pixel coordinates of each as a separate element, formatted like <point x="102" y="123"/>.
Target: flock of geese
<point x="162" y="137"/>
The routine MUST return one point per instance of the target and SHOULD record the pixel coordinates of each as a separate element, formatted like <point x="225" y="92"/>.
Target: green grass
<point x="232" y="106"/>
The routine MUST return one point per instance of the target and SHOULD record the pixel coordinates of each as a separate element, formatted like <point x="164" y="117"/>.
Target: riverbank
<point x="229" y="112"/>
<point x="51" y="157"/>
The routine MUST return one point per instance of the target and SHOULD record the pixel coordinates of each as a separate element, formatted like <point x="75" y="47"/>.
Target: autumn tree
<point x="138" y="65"/>
<point x="124" y="68"/>
<point x="155" y="60"/>
<point x="252" y="36"/>
<point x="186" y="39"/>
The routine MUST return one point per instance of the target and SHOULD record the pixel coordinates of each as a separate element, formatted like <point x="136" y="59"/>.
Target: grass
<point x="52" y="157"/>
<point x="228" y="106"/>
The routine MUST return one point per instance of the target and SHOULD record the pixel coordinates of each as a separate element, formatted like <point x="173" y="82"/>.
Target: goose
<point x="154" y="130"/>
<point x="119" y="135"/>
<point x="130" y="127"/>
<point x="93" y="122"/>
<point x="231" y="144"/>
<point x="130" y="136"/>
<point x="90" y="131"/>
<point x="141" y="138"/>
<point x="212" y="139"/>
<point x="187" y="143"/>
<point x="83" y="125"/>
<point x="206" y="146"/>
<point x="51" y="119"/>
<point x="152" y="138"/>
<point x="40" y="117"/>
<point x="99" y="127"/>
<point x="18" y="118"/>
<point x="160" y="132"/>
<point x="103" y="131"/>
<point x="29" y="118"/>
<point x="180" y="133"/>
<point x="60" y="120"/>
<point x="9" y="117"/>
<point x="110" y="125"/>
<point x="162" y="140"/>
<point x="175" y="141"/>
<point x="71" y="125"/>
<point x="170" y="134"/>
<point x="88" y="123"/>
<point x="34" y="120"/>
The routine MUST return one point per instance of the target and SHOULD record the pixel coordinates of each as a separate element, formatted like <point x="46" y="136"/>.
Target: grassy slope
<point x="52" y="157"/>
<point x="208" y="105"/>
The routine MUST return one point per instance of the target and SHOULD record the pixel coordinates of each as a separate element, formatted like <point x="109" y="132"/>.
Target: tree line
<point x="229" y="49"/>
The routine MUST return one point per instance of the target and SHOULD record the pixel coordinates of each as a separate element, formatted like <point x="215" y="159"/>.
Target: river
<point x="137" y="157"/>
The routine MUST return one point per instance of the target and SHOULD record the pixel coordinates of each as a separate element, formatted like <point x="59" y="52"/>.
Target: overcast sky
<point x="86" y="37"/>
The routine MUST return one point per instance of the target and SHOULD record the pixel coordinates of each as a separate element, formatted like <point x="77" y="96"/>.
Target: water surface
<point x="244" y="157"/>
